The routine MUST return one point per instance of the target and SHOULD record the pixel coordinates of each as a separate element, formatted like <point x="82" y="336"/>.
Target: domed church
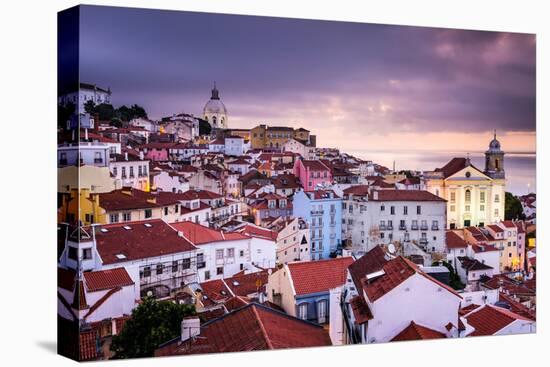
<point x="215" y="112"/>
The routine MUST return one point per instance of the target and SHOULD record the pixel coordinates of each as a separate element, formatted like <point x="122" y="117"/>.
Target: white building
<point x="83" y="153"/>
<point x="292" y="240"/>
<point x="169" y="181"/>
<point x="215" y="112"/>
<point x="386" y="295"/>
<point x="401" y="217"/>
<point x="295" y="146"/>
<point x="130" y="171"/>
<point x="87" y="92"/>
<point x="236" y="146"/>
<point x="222" y="255"/>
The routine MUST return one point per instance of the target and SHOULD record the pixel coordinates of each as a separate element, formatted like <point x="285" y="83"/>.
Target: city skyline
<point x="406" y="88"/>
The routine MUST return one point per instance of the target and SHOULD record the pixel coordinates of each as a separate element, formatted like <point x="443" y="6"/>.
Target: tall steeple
<point x="215" y="92"/>
<point x="494" y="159"/>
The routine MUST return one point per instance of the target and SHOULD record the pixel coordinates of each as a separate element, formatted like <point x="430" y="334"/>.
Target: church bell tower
<point x="494" y="160"/>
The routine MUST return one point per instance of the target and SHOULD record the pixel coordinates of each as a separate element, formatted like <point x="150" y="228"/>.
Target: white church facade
<point x="474" y="197"/>
<point x="215" y="111"/>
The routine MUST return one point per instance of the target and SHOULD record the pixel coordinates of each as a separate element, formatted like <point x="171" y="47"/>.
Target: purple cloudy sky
<point x="388" y="86"/>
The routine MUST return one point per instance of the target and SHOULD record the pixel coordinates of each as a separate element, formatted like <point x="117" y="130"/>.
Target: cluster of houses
<point x="285" y="244"/>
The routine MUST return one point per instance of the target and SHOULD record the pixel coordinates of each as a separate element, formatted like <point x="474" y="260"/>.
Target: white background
<point x="28" y="178"/>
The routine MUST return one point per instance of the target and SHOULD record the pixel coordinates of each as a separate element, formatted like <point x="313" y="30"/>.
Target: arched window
<point x="497" y="164"/>
<point x="213" y="120"/>
<point x="468" y="196"/>
<point x="222" y="121"/>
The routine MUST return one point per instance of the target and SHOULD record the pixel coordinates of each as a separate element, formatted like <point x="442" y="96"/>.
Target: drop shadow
<point x="48" y="345"/>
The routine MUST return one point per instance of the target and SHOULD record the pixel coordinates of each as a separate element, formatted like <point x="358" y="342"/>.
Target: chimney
<point x="140" y="155"/>
<point x="126" y="155"/>
<point x="190" y="328"/>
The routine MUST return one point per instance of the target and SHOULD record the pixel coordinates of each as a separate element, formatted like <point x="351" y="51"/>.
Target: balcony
<point x="435" y="228"/>
<point x="317" y="212"/>
<point x="414" y="227"/>
<point x="382" y="227"/>
<point x="424" y="227"/>
<point x="389" y="228"/>
<point x="423" y="241"/>
<point x="402" y="227"/>
<point x="201" y="264"/>
<point x="98" y="160"/>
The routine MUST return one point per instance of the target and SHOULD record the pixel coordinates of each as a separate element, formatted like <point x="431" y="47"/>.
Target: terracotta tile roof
<point x="483" y="247"/>
<point x="477" y="234"/>
<point x="453" y="166"/>
<point x="370" y="262"/>
<point x="145" y="239"/>
<point x="417" y="332"/>
<point x="404" y="195"/>
<point x="245" y="284"/>
<point x="318" y="276"/>
<point x="495" y="228"/>
<point x="252" y="327"/>
<point x="358" y="190"/>
<point x="472" y="264"/>
<point x="79" y="297"/>
<point x="125" y="199"/>
<point x="200" y="235"/>
<point x="255" y="231"/>
<point x="236" y="302"/>
<point x="214" y="292"/>
<point x="488" y="319"/>
<point x="396" y="271"/>
<point x="453" y="240"/>
<point x="517" y="307"/>
<point x="360" y="309"/>
<point x="466" y="310"/>
<point x="88" y="344"/>
<point x="512" y="287"/>
<point x="315" y="165"/>
<point x="107" y="279"/>
<point x="508" y="224"/>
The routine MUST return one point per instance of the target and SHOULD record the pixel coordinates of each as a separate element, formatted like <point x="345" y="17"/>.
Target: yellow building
<point x="474" y="197"/>
<point x="264" y="136"/>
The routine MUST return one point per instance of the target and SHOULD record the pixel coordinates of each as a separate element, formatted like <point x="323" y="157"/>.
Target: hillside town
<point x="272" y="241"/>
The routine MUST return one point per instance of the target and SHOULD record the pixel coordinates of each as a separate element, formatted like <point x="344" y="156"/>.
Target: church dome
<point x="215" y="105"/>
<point x="494" y="145"/>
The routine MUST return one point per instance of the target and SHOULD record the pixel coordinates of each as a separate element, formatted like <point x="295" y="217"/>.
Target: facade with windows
<point x="404" y="217"/>
<point x="322" y="211"/>
<point x="130" y="171"/>
<point x="87" y="92"/>
<point x="474" y="197"/>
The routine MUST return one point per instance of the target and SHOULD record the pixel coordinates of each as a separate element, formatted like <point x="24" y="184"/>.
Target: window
<point x="147" y="271"/>
<point x="405" y="210"/>
<point x="418" y="209"/>
<point x="113" y="218"/>
<point x="127" y="217"/>
<point x="148" y="213"/>
<point x="186" y="264"/>
<point x="322" y="312"/>
<point x="482" y="208"/>
<point x="87" y="253"/>
<point x="231" y="252"/>
<point x="219" y="270"/>
<point x="392" y="210"/>
<point x="115" y="171"/>
<point x="160" y="268"/>
<point x="131" y="171"/>
<point x="382" y="208"/>
<point x="207" y="275"/>
<point x="73" y="253"/>
<point x="453" y="197"/>
<point x="166" y="211"/>
<point x="219" y="254"/>
<point x="174" y="266"/>
<point x="468" y="196"/>
<point x="497" y="198"/>
<point x="241" y="253"/>
<point x="482" y="197"/>
<point x="140" y="171"/>
<point x="453" y="208"/>
<point x="302" y="311"/>
<point x="123" y="172"/>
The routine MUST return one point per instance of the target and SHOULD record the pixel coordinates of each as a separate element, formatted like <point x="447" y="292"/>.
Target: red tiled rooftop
<point x="360" y="309"/>
<point x="200" y="235"/>
<point x="214" y="291"/>
<point x="318" y="276"/>
<point x="144" y="239"/>
<point x="252" y="327"/>
<point x="453" y="240"/>
<point x="245" y="284"/>
<point x="417" y="332"/>
<point x="404" y="195"/>
<point x="255" y="231"/>
<point x="488" y="320"/>
<point x="107" y="279"/>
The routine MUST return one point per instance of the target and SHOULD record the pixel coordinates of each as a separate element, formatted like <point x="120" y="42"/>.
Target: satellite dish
<point x="391" y="248"/>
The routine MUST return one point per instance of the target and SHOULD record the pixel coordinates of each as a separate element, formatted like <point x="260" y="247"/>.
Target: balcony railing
<point x="414" y="227"/>
<point x="435" y="228"/>
<point x="201" y="264"/>
<point x="424" y="227"/>
<point x="317" y="212"/>
<point x="98" y="160"/>
<point x="382" y="227"/>
<point x="389" y="228"/>
<point x="402" y="227"/>
<point x="423" y="241"/>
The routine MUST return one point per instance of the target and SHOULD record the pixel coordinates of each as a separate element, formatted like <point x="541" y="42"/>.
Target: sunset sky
<point x="356" y="86"/>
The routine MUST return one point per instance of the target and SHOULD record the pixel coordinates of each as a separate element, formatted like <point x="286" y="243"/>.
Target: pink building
<point x="156" y="151"/>
<point x="312" y="173"/>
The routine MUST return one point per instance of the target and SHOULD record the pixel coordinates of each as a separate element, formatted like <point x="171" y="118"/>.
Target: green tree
<point x="105" y="111"/>
<point x="89" y="107"/>
<point x="151" y="324"/>
<point x="116" y="122"/>
<point x="137" y="111"/>
<point x="454" y="278"/>
<point x="204" y="127"/>
<point x="512" y="207"/>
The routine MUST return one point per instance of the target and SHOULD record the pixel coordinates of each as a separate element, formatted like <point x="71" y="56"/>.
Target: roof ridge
<point x="262" y="328"/>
